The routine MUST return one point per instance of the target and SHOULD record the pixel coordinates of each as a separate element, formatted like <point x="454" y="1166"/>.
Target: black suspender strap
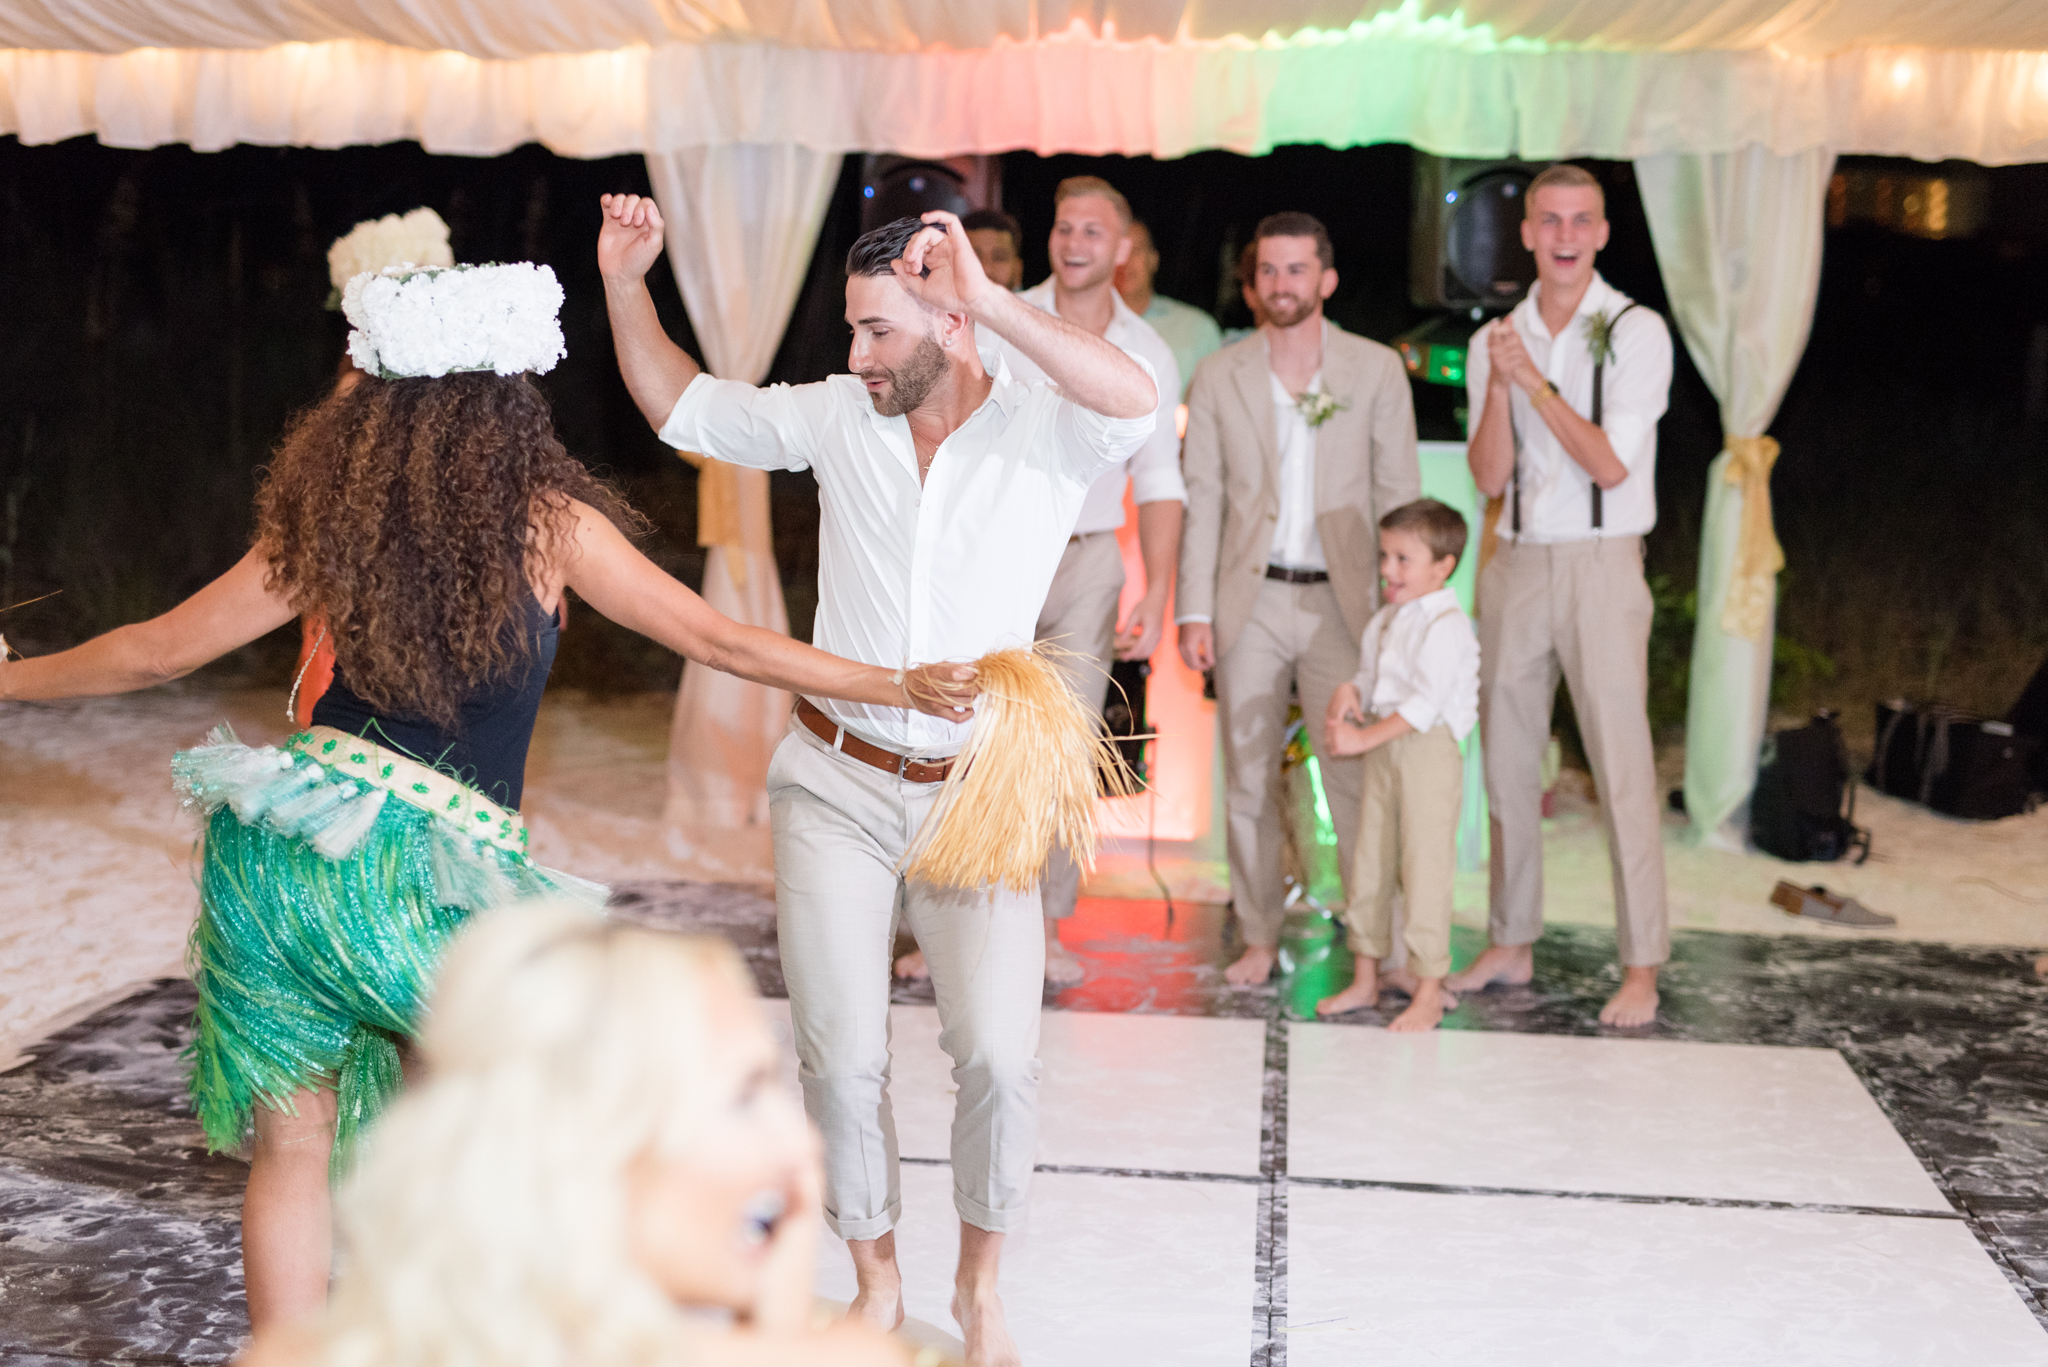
<point x="1599" y="371"/>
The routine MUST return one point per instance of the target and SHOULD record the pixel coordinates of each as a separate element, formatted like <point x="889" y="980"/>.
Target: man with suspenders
<point x="1565" y="393"/>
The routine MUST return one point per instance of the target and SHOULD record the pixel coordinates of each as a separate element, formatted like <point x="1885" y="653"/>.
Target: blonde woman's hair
<point x="486" y="1222"/>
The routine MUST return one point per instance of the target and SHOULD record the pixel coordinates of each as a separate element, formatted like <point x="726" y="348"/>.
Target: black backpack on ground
<point x="1952" y="761"/>
<point x="1802" y="784"/>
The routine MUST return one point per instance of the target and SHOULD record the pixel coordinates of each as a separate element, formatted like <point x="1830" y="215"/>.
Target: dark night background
<point x="163" y="315"/>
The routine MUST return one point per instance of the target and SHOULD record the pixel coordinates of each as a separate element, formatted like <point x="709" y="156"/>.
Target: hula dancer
<point x="432" y="519"/>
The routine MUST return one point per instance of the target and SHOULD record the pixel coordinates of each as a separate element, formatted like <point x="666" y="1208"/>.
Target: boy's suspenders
<point x="1599" y="372"/>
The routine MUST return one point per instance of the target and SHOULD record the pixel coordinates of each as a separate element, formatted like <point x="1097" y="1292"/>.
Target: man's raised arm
<point x="656" y="370"/>
<point x="940" y="268"/>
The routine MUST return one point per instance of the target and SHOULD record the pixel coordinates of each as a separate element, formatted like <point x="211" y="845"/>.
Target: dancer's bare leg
<point x="880" y="1301"/>
<point x="1062" y="969"/>
<point x="1636" y="1003"/>
<point x="1510" y="965"/>
<point x="1425" y="1008"/>
<point x="912" y="966"/>
<point x="287" y="1235"/>
<point x="975" y="1303"/>
<point x="1253" y="966"/>
<point x="1364" y="990"/>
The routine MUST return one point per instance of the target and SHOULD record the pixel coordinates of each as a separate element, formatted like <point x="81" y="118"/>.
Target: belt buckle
<point x="902" y="766"/>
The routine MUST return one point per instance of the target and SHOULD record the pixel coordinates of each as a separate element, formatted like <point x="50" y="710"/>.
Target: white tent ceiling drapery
<point x="1544" y="78"/>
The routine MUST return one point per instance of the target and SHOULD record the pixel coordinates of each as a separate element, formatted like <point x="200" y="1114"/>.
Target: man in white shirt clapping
<point x="1565" y="393"/>
<point x="947" y="491"/>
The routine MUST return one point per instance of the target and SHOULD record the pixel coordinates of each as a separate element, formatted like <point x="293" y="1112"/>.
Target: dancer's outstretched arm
<point x="656" y="370"/>
<point x="630" y="589"/>
<point x="230" y="612"/>
<point x="939" y="268"/>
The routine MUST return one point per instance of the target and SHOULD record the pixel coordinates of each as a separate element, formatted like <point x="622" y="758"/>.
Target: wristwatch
<point x="1549" y="391"/>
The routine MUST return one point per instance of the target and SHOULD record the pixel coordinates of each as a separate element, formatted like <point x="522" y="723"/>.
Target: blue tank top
<point x="487" y="750"/>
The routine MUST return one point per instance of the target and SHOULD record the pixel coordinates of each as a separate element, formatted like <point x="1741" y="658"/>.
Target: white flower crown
<point x="411" y="322"/>
<point x="418" y="238"/>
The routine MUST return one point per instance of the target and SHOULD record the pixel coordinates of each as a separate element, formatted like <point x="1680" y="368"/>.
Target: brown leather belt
<point x="853" y="747"/>
<point x="1287" y="576"/>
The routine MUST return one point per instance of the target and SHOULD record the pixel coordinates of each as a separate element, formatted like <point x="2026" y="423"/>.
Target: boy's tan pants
<point x="1408" y="839"/>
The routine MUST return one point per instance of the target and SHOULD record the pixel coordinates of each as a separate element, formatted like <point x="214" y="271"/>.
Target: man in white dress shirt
<point x="1300" y="438"/>
<point x="947" y="492"/>
<point x="1088" y="240"/>
<point x="1565" y="393"/>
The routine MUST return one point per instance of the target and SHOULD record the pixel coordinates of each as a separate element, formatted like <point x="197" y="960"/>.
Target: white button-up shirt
<point x="915" y="574"/>
<point x="1557" y="493"/>
<point x="1154" y="472"/>
<point x="1296" y="542"/>
<point x="1420" y="661"/>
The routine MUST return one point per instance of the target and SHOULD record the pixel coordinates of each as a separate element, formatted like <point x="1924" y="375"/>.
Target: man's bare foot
<point x="912" y="966"/>
<point x="984" y="1328"/>
<point x="1400" y="979"/>
<point x="2041" y="967"/>
<point x="1062" y="969"/>
<point x="1363" y="992"/>
<point x="1636" y="1004"/>
<point x="1509" y="965"/>
<point x="1424" y="1011"/>
<point x="1253" y="967"/>
<point x="880" y="1299"/>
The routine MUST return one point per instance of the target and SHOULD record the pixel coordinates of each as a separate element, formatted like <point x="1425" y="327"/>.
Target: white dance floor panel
<point x="1407" y="1277"/>
<point x="1110" y="1272"/>
<point x="1568" y="1113"/>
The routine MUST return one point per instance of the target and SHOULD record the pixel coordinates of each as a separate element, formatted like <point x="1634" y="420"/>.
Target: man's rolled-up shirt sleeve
<point x="1155" y="469"/>
<point x="1636" y="387"/>
<point x="772" y="428"/>
<point x="1089" y="442"/>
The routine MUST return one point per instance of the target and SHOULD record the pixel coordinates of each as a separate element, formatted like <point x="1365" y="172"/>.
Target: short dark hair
<point x="1248" y="264"/>
<point x="1439" y="526"/>
<point x="877" y="247"/>
<point x="1295" y="224"/>
<point x="995" y="220"/>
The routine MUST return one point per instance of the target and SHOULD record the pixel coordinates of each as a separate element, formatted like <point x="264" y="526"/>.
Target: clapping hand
<point x="1510" y="358"/>
<point x="938" y="267"/>
<point x="629" y="240"/>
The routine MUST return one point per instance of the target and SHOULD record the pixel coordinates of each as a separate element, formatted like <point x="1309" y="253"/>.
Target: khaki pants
<point x="840" y="828"/>
<point x="1080" y="617"/>
<point x="1580" y="608"/>
<point x="1296" y="640"/>
<point x="1408" y="842"/>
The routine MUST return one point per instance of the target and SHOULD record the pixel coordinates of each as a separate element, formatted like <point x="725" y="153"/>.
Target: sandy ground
<point x="96" y="887"/>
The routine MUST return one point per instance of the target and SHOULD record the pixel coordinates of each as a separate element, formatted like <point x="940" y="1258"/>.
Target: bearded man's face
<point x="895" y="351"/>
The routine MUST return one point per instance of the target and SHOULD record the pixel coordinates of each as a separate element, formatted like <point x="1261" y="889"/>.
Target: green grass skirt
<point x="322" y="918"/>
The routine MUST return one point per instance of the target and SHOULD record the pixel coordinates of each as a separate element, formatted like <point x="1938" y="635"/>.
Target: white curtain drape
<point x="1738" y="241"/>
<point x="742" y="224"/>
<point x="1436" y="84"/>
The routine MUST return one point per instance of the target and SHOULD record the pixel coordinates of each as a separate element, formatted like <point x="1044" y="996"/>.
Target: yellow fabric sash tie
<point x="718" y="513"/>
<point x="1752" y="584"/>
<point x="406" y="779"/>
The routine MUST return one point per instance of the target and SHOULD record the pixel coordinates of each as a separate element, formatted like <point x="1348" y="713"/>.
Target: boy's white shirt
<point x="1420" y="660"/>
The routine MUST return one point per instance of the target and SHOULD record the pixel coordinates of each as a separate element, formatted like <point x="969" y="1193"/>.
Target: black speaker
<point x="1465" y="245"/>
<point x="904" y="187"/>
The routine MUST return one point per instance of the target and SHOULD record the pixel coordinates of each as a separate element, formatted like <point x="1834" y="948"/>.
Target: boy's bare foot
<point x="1424" y="1011"/>
<point x="2041" y="967"/>
<point x="1636" y="1004"/>
<point x="1062" y="969"/>
<point x="1509" y="965"/>
<point x="880" y="1300"/>
<point x="1363" y="992"/>
<point x="1400" y="979"/>
<point x="1253" y="967"/>
<point x="912" y="966"/>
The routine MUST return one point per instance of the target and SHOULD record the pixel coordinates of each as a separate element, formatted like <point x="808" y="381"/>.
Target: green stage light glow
<point x="1326" y="829"/>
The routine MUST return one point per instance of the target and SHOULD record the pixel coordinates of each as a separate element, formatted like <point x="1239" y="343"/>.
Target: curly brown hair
<point x="403" y="514"/>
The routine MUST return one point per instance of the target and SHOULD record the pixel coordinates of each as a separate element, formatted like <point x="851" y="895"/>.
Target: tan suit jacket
<point x="1365" y="468"/>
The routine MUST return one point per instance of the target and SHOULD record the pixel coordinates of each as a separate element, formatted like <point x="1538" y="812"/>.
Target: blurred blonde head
<point x="489" y="1220"/>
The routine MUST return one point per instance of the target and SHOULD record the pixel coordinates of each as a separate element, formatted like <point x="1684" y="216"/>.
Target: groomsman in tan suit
<point x="1300" y="437"/>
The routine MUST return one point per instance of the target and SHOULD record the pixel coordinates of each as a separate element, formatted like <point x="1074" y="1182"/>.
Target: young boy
<point x="1416" y="697"/>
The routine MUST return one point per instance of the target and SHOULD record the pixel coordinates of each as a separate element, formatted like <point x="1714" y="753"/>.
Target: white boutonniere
<point x="1317" y="407"/>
